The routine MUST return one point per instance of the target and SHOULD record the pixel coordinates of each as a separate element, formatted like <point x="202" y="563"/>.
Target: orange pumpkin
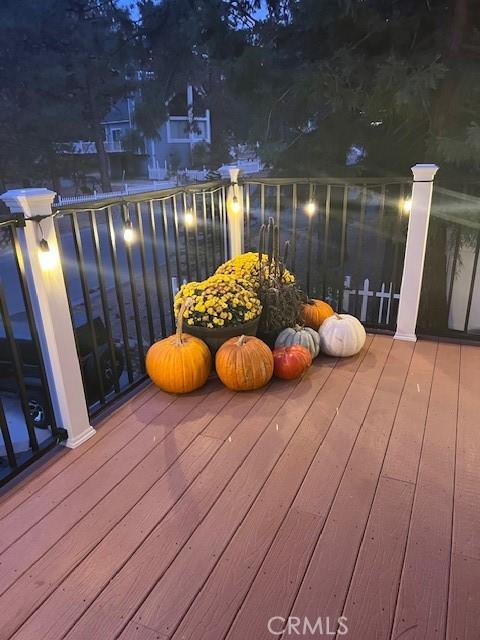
<point x="314" y="312"/>
<point x="180" y="363"/>
<point x="244" y="363"/>
<point x="291" y="362"/>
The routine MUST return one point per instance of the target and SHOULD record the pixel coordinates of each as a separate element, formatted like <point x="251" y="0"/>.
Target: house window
<point x="116" y="135"/>
<point x="179" y="130"/>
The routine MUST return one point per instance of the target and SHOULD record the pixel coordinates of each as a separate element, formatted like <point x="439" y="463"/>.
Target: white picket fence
<point x="386" y="297"/>
<point x="154" y="186"/>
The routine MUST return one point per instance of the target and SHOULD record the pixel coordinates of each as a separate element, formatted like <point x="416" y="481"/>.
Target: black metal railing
<point x="121" y="287"/>
<point x="27" y="422"/>
<point x="450" y="301"/>
<point x="349" y="249"/>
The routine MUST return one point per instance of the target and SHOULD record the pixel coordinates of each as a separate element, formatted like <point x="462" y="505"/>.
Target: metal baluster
<point x="103" y="297"/>
<point x="247" y="214"/>
<point x="309" y="240"/>
<point x="18" y="369"/>
<point x="358" y="277"/>
<point x="119" y="292"/>
<point x="472" y="283"/>
<point x="143" y="261"/>
<point x="262" y="204"/>
<point x="325" y="240"/>
<point x="293" y="242"/>
<point x="205" y="233"/>
<point x="214" y="229"/>
<point x="78" y="246"/>
<point x="133" y="288"/>
<point x="343" y="238"/>
<point x="156" y="269"/>
<point x="176" y="237"/>
<point x="396" y="239"/>
<point x="224" y="224"/>
<point x="458" y="235"/>
<point x="7" y="441"/>
<point x="277" y="206"/>
<point x="166" y="248"/>
<point x="195" y="236"/>
<point x="33" y="327"/>
<point x="185" y="236"/>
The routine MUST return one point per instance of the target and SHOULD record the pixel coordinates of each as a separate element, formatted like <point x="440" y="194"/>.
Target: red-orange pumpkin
<point x="314" y="312"/>
<point x="291" y="362"/>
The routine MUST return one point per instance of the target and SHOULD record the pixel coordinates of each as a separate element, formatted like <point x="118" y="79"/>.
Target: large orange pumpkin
<point x="291" y="362"/>
<point x="180" y="363"/>
<point x="314" y="312"/>
<point x="244" y="363"/>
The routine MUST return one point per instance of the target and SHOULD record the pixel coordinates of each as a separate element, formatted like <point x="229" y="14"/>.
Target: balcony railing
<point x="358" y="243"/>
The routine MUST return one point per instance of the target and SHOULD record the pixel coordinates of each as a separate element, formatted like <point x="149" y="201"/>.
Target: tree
<point x="63" y="63"/>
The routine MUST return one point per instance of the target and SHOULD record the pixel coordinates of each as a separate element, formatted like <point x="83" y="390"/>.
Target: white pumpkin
<point x="341" y="335"/>
<point x="304" y="336"/>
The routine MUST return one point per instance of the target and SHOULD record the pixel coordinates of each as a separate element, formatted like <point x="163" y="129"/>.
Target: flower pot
<point x="214" y="338"/>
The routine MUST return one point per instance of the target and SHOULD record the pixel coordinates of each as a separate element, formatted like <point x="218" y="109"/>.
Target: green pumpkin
<point x="304" y="336"/>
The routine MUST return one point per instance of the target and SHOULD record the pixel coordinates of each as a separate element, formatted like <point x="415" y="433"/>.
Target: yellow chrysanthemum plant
<point x="247" y="267"/>
<point x="222" y="300"/>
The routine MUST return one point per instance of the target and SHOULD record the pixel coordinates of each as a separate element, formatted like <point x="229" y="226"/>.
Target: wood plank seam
<point x="56" y="480"/>
<point x="73" y="455"/>
<point x="158" y="443"/>
<point x="381" y="475"/>
<point x="450" y="568"/>
<point x="125" y="514"/>
<point x="408" y="536"/>
<point x="299" y="511"/>
<point x="292" y="500"/>
<point x="297" y="590"/>
<point x="252" y="501"/>
<point x="124" y="562"/>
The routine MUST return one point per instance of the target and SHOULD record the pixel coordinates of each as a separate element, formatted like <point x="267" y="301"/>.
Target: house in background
<point x="132" y="156"/>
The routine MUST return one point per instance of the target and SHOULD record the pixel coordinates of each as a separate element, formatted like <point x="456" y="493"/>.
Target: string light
<point x="310" y="208"/>
<point x="128" y="231"/>
<point x="407" y="205"/>
<point x="47" y="257"/>
<point x="235" y="205"/>
<point x="189" y="219"/>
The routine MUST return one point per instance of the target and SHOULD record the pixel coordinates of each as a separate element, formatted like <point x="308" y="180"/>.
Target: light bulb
<point x="235" y="205"/>
<point x="407" y="205"/>
<point x="128" y="232"/>
<point x="310" y="208"/>
<point x="47" y="257"/>
<point x="189" y="219"/>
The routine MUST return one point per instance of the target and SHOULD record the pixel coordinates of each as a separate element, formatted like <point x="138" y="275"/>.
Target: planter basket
<point x="214" y="338"/>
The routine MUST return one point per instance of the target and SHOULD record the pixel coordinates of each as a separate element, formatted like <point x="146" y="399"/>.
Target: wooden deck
<point x="353" y="492"/>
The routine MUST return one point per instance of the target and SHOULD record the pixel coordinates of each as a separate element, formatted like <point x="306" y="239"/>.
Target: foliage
<point x="247" y="267"/>
<point x="279" y="295"/>
<point x="219" y="301"/>
<point x="63" y="64"/>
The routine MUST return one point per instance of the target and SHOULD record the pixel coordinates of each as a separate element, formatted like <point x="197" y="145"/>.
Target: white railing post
<point x="235" y="214"/>
<point x="423" y="175"/>
<point x="47" y="291"/>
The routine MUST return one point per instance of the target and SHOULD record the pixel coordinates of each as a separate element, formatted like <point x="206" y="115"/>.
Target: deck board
<point x="422" y="600"/>
<point x="464" y="596"/>
<point x="352" y="492"/>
